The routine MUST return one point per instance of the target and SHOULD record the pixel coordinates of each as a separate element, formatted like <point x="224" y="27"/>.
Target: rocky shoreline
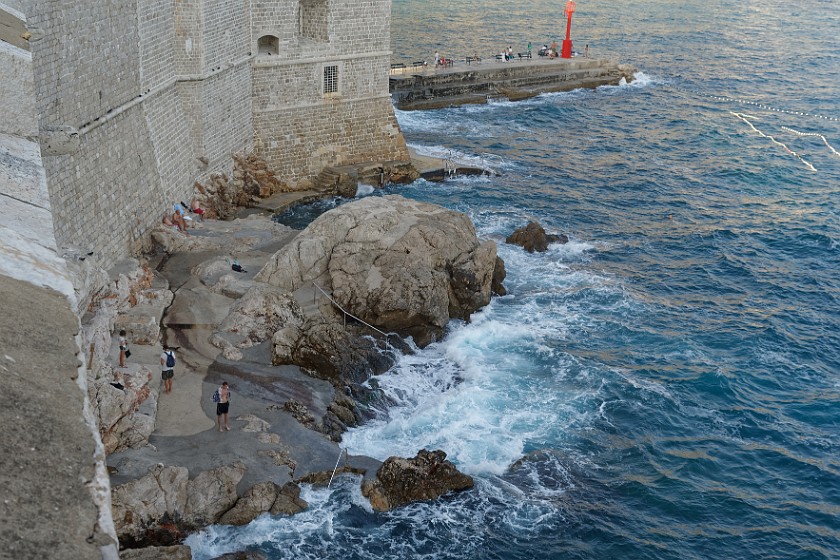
<point x="296" y="363"/>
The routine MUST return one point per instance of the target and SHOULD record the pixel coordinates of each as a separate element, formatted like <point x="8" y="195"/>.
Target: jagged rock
<point x="177" y="552"/>
<point x="232" y="353"/>
<point x="116" y="399"/>
<point x="269" y="438"/>
<point x="401" y="172"/>
<point x="288" y="501"/>
<point x="345" y="409"/>
<point x="300" y="413"/>
<point x="329" y="350"/>
<point x="256" y="501"/>
<point x="400" y="481"/>
<point x="628" y="71"/>
<point x="148" y="502"/>
<point x="499" y="274"/>
<point x="403" y="266"/>
<point x="217" y="276"/>
<point x="534" y="238"/>
<point x="254" y="424"/>
<point x="261" y="312"/>
<point x="281" y="459"/>
<point x="243" y="555"/>
<point x="212" y="493"/>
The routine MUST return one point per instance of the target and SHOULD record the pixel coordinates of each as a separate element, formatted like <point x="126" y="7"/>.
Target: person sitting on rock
<point x="178" y="220"/>
<point x="195" y="208"/>
<point x="167" y="221"/>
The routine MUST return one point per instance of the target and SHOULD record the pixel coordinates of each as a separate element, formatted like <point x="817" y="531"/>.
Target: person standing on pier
<point x="529" y="49"/>
<point x="437" y="59"/>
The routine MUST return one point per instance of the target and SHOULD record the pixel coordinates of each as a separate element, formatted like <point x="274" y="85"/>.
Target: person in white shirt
<point x="167" y="368"/>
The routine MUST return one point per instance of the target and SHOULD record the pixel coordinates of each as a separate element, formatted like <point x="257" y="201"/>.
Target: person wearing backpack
<point x="222" y="399"/>
<point x="167" y="368"/>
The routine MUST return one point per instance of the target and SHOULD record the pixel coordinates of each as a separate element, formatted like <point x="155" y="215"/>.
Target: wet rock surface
<point x="533" y="238"/>
<point x="401" y="481"/>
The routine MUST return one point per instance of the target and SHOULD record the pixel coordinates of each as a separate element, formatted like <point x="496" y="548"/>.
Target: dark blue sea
<point x="667" y="384"/>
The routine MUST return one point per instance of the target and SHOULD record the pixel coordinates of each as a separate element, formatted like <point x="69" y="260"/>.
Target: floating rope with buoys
<point x="817" y="134"/>
<point x="754" y="104"/>
<point x="746" y="118"/>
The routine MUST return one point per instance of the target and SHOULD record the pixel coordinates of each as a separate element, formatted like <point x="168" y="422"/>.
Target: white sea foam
<point x="492" y="162"/>
<point x="497" y="383"/>
<point x="364" y="190"/>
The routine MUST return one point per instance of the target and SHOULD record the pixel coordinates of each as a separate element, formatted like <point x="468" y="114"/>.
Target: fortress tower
<point x="129" y="102"/>
<point x="320" y="84"/>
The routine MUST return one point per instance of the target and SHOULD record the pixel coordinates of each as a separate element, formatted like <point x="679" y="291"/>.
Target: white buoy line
<point x="755" y="104"/>
<point x="746" y="118"/>
<point x="817" y="134"/>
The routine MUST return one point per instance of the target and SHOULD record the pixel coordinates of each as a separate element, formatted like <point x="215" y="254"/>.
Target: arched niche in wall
<point x="313" y="17"/>
<point x="268" y="45"/>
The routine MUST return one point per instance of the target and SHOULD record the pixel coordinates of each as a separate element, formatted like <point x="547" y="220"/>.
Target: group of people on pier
<point x="507" y="54"/>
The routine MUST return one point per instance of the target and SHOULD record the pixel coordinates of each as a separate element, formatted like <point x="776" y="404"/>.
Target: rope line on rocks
<point x="340" y="453"/>
<point x="347" y="313"/>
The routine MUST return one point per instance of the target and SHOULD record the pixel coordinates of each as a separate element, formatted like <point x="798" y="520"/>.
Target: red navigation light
<point x="567" y="43"/>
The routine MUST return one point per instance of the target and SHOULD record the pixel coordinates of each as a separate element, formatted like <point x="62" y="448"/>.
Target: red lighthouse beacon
<point x="566" y="51"/>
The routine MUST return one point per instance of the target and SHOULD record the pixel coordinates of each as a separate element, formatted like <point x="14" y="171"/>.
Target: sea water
<point x="665" y="385"/>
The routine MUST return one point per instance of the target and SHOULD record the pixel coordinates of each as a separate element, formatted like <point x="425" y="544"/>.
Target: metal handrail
<point x="347" y="313"/>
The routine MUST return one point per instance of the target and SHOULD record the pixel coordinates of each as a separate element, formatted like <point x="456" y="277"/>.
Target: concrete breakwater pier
<point x="429" y="87"/>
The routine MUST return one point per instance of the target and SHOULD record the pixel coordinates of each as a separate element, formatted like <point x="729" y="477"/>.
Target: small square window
<point x="330" y="79"/>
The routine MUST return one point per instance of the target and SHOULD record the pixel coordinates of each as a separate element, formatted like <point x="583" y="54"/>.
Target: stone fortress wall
<point x="110" y="111"/>
<point x="138" y="99"/>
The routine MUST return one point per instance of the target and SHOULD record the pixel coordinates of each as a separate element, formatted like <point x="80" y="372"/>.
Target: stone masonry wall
<point x="131" y="114"/>
<point x="300" y="142"/>
<point x="139" y="99"/>
<point x="299" y="129"/>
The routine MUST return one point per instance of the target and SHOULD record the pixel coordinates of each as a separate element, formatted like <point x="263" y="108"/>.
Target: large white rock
<point x="261" y="312"/>
<point x="403" y="266"/>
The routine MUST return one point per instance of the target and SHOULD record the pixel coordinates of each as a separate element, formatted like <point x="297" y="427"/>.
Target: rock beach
<point x="296" y="365"/>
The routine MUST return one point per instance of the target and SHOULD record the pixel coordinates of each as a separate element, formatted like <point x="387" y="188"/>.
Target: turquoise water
<point x="671" y="375"/>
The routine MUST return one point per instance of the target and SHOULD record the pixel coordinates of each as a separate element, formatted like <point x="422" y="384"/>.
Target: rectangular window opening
<point x="330" y="79"/>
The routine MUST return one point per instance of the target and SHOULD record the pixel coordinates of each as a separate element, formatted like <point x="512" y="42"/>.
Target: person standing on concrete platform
<point x="437" y="59"/>
<point x="222" y="399"/>
<point x="586" y="51"/>
<point x="529" y="49"/>
<point x="167" y="368"/>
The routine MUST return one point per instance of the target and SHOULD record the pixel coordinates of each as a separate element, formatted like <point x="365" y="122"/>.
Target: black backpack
<point x="170" y="359"/>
